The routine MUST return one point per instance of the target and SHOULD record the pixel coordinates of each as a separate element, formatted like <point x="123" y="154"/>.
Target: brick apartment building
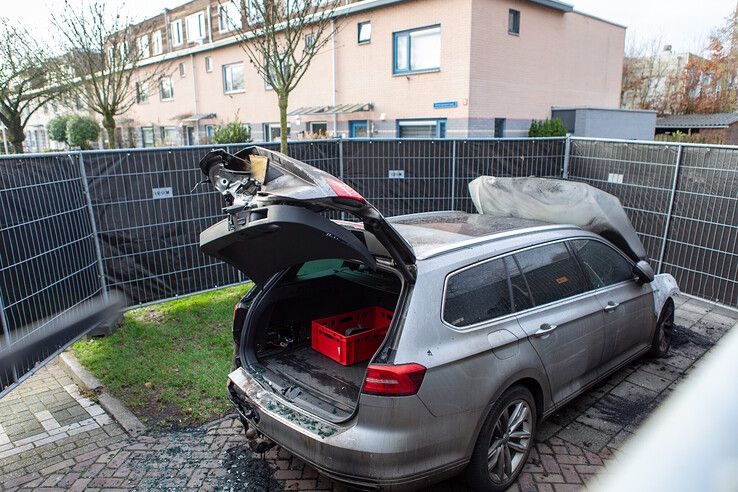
<point x="394" y="68"/>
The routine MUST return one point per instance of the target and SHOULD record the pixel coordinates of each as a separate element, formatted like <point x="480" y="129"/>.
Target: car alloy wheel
<point x="511" y="438"/>
<point x="666" y="327"/>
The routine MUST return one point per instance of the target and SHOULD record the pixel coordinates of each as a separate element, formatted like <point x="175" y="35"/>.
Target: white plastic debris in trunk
<point x="559" y="202"/>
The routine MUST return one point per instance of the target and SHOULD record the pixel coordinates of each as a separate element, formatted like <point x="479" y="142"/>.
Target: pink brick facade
<point x="485" y="74"/>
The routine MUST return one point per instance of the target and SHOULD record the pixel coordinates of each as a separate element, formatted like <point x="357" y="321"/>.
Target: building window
<point x="176" y="28"/>
<point x="272" y="131"/>
<point x="166" y="89"/>
<point x="513" y="21"/>
<point x="499" y="127"/>
<point x="143" y="46"/>
<point x="208" y="64"/>
<point x="421" y="128"/>
<point x="147" y="136"/>
<point x="309" y="42"/>
<point x="156" y="45"/>
<point x="196" y="27"/>
<point x="358" y="129"/>
<point x="365" y="32"/>
<point x="170" y="135"/>
<point x="233" y="78"/>
<point x="182" y="69"/>
<point x="229" y="17"/>
<point x="418" y="50"/>
<point x="318" y="128"/>
<point x="142" y="94"/>
<point x="209" y="132"/>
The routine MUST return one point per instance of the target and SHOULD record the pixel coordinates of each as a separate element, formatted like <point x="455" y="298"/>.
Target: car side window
<point x="520" y="291"/>
<point x="551" y="273"/>
<point x="477" y="294"/>
<point x="601" y="263"/>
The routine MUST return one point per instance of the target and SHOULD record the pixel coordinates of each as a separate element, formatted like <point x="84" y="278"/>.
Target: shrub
<point x="81" y="130"/>
<point x="547" y="128"/>
<point x="57" y="128"/>
<point x="233" y="132"/>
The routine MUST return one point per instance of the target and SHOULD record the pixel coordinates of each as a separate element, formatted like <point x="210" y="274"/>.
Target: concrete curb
<point x="113" y="406"/>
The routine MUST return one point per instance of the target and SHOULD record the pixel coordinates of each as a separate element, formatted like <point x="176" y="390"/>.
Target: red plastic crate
<point x="328" y="334"/>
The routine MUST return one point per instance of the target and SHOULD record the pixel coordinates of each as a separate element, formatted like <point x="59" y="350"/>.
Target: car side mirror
<point x="643" y="272"/>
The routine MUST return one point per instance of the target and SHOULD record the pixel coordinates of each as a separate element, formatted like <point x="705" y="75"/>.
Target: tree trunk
<point x="109" y="125"/>
<point x="14" y="133"/>
<point x="283" y="97"/>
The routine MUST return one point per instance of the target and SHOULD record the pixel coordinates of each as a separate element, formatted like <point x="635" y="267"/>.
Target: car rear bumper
<point x="392" y="443"/>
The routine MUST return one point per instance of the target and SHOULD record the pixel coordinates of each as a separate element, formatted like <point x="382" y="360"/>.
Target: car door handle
<point x="611" y="306"/>
<point x="545" y="329"/>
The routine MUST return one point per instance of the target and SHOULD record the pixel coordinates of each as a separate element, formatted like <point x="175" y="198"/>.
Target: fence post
<point x="677" y="167"/>
<point x="453" y="174"/>
<point x="567" y="156"/>
<point x="93" y="225"/>
<point x="6" y="331"/>
<point x="340" y="167"/>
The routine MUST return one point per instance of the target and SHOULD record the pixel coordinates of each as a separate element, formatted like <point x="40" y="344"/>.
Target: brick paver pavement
<point x="54" y="438"/>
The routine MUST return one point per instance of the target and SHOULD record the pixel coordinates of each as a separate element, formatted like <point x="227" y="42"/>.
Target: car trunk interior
<point x="279" y="340"/>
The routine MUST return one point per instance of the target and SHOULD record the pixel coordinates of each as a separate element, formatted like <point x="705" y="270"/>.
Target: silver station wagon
<point x="396" y="352"/>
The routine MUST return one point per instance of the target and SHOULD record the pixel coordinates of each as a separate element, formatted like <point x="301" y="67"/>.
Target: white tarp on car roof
<point x="559" y="202"/>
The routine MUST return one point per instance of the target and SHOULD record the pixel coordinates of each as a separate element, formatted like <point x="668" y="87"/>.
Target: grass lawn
<point x="169" y="362"/>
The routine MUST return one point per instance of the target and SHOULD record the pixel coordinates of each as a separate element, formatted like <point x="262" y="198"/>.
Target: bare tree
<point x="104" y="55"/>
<point x="28" y="80"/>
<point x="281" y="38"/>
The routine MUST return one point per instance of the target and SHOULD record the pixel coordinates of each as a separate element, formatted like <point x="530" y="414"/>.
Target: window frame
<point x="182" y="70"/>
<point x="479" y="264"/>
<point x="353" y="124"/>
<point x="208" y="64"/>
<point x="441" y="126"/>
<point x="318" y="122"/>
<point x="359" y="25"/>
<point x="142" y="92"/>
<point x="591" y="289"/>
<point x="223" y="76"/>
<point x="157" y="47"/>
<point x="513" y="17"/>
<point x="202" y="22"/>
<point x="144" y="46"/>
<point x="575" y="253"/>
<point x="226" y="9"/>
<point x="161" y="88"/>
<point x="407" y="33"/>
<point x="179" y="40"/>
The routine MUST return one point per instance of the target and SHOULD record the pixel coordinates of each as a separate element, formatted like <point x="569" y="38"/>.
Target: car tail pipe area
<point x="258" y="442"/>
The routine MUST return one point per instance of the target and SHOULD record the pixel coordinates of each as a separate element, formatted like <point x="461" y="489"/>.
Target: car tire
<point x="664" y="329"/>
<point x="498" y="457"/>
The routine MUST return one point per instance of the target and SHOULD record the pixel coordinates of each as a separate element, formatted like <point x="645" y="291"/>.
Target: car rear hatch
<point x="276" y="217"/>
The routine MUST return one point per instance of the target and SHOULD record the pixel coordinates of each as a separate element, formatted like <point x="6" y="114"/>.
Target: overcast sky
<point x="685" y="24"/>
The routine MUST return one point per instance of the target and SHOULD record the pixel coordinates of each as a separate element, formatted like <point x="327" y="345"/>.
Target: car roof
<point x="434" y="233"/>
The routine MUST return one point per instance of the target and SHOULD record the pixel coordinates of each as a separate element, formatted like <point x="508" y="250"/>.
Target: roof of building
<point x="555" y="4"/>
<point x="716" y="120"/>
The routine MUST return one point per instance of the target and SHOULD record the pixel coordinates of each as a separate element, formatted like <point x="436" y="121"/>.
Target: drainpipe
<point x="195" y="97"/>
<point x="210" y="25"/>
<point x="333" y="45"/>
<point x="167" y="37"/>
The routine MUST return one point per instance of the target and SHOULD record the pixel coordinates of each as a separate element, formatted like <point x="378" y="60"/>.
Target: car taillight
<point x="399" y="380"/>
<point x="342" y="190"/>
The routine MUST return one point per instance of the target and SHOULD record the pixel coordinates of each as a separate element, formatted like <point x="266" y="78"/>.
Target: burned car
<point x="395" y="352"/>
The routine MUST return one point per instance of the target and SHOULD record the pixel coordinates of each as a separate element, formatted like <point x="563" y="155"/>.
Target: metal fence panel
<point x="504" y="158"/>
<point x="48" y="260"/>
<point x="682" y="201"/>
<point x="641" y="176"/>
<point x="702" y="245"/>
